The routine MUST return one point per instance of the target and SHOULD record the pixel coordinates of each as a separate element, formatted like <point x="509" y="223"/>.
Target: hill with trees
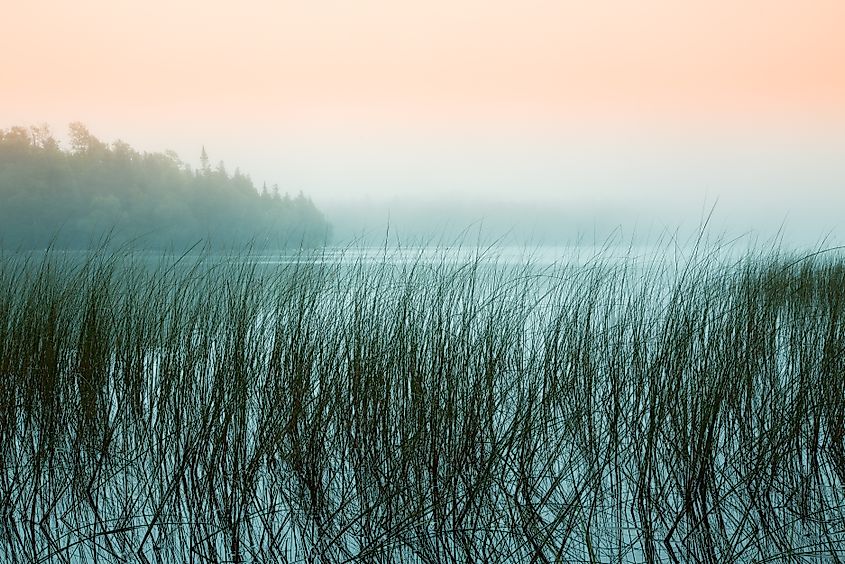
<point x="71" y="197"/>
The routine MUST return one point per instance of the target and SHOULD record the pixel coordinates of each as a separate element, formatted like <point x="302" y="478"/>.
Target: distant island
<point x="71" y="198"/>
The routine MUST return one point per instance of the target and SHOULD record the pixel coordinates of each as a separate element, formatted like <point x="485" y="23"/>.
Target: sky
<point x="653" y="107"/>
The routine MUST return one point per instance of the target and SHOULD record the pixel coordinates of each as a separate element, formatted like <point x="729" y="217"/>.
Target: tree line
<point x="72" y="197"/>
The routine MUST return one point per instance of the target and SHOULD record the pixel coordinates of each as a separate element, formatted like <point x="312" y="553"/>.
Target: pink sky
<point x="624" y="100"/>
<point x="413" y="62"/>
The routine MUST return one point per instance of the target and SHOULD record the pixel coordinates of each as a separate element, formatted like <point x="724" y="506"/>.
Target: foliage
<point x="405" y="410"/>
<point x="71" y="197"/>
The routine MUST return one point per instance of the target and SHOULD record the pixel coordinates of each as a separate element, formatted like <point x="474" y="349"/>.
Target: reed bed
<point x="208" y="409"/>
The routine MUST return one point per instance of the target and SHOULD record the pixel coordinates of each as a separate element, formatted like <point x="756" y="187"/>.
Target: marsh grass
<point x="205" y="408"/>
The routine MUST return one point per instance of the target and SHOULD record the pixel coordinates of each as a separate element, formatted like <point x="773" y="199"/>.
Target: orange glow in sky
<point x="453" y="61"/>
<point x="656" y="105"/>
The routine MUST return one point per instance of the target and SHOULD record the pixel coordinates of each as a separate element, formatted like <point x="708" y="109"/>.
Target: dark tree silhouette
<point x="71" y="197"/>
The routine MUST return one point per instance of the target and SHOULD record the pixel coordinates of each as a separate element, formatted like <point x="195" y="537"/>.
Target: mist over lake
<point x="193" y="366"/>
<point x="413" y="404"/>
<point x="422" y="282"/>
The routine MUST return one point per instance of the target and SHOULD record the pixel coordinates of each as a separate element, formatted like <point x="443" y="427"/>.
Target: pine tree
<point x="204" y="166"/>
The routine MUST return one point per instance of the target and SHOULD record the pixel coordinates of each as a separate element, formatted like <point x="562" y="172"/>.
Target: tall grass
<point x="206" y="408"/>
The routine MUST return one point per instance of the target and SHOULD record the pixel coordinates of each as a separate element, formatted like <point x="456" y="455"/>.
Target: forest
<point x="74" y="197"/>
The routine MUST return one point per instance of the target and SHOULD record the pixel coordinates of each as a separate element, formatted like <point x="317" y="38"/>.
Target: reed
<point x="619" y="409"/>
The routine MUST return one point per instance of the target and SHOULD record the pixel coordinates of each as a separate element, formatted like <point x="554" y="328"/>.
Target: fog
<point x="533" y="186"/>
<point x="553" y="187"/>
<point x="540" y="119"/>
